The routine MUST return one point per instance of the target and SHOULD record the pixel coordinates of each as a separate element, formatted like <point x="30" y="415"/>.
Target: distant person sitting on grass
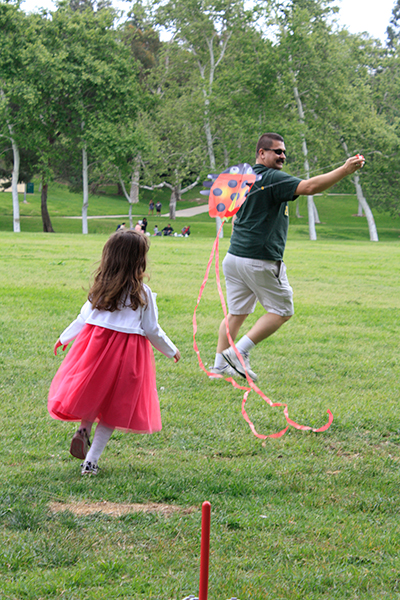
<point x="186" y="231"/>
<point x="167" y="230"/>
<point x="120" y="227"/>
<point x="254" y="269"/>
<point x="108" y="375"/>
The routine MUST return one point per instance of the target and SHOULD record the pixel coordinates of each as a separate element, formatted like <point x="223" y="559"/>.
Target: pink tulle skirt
<point x="107" y="376"/>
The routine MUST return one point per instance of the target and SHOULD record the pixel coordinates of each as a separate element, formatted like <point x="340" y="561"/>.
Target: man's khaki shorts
<point x="249" y="280"/>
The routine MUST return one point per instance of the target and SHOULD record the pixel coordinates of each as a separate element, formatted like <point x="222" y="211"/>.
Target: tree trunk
<point x="14" y="185"/>
<point x="85" y="204"/>
<point x="311" y="218"/>
<point x="134" y="191"/>
<point x="173" y="200"/>
<point x="207" y="129"/>
<point x="130" y="216"/>
<point x="15" y="175"/>
<point x="373" y="233"/>
<point x="362" y="203"/>
<point x="312" y="209"/>
<point x="47" y="226"/>
<point x="316" y="215"/>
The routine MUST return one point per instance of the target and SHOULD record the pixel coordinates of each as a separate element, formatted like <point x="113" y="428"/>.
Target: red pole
<point x="205" y="550"/>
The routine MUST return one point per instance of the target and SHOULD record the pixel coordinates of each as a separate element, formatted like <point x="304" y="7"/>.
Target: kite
<point x="227" y="192"/>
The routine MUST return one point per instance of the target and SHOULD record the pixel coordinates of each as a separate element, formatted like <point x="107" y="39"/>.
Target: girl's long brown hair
<point x="119" y="278"/>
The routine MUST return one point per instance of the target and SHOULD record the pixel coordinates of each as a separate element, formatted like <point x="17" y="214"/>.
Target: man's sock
<point x="219" y="362"/>
<point x="245" y="344"/>
<point x="101" y="437"/>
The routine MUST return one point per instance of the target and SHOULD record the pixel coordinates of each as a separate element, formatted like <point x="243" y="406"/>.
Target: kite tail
<point x="215" y="251"/>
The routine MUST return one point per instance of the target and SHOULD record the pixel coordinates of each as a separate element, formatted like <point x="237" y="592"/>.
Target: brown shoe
<point x="80" y="444"/>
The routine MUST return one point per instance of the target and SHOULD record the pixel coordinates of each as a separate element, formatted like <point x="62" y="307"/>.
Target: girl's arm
<point x="76" y="326"/>
<point x="154" y="333"/>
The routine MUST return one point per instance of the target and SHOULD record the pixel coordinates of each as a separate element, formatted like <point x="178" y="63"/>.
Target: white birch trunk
<point x="207" y="91"/>
<point x="172" y="203"/>
<point x="128" y="198"/>
<point x="362" y="203"/>
<point x="312" y="209"/>
<point x="85" y="204"/>
<point x="175" y="196"/>
<point x="15" y="175"/>
<point x="373" y="233"/>
<point x="14" y="184"/>
<point x="134" y="191"/>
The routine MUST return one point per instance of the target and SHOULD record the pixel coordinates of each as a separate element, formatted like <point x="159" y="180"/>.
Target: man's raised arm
<point x="320" y="183"/>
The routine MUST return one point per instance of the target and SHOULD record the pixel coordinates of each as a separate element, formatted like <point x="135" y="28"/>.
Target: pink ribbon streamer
<point x="215" y="251"/>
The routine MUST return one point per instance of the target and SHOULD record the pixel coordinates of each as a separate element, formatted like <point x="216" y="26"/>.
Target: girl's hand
<point x="57" y="345"/>
<point x="177" y="356"/>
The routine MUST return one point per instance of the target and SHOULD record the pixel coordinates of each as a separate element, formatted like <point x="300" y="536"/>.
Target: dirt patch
<point x="115" y="509"/>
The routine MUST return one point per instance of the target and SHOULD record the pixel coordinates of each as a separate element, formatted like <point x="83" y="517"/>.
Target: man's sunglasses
<point x="277" y="151"/>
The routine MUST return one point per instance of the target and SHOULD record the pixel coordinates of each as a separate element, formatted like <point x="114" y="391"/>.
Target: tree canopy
<point x="86" y="97"/>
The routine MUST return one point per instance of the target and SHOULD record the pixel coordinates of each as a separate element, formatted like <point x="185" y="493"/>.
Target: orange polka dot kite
<point x="229" y="190"/>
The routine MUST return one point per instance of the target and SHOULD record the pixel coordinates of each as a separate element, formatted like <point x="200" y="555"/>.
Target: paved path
<point x="185" y="212"/>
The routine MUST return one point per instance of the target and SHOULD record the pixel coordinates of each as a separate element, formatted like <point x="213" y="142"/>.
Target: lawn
<point x="310" y="516"/>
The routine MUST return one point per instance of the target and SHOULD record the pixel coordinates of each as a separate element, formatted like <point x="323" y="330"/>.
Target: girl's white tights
<point x="101" y="437"/>
<point x="86" y="425"/>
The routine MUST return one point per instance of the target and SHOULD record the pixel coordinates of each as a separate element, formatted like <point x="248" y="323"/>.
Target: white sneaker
<point x="89" y="468"/>
<point x="231" y="358"/>
<point x="225" y="371"/>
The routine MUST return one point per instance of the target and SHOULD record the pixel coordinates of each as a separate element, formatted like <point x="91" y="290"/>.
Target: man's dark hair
<point x="266" y="140"/>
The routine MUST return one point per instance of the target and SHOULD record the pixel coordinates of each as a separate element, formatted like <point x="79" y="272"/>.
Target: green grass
<point x="310" y="516"/>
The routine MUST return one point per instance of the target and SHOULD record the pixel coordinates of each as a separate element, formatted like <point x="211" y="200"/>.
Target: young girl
<point x="108" y="375"/>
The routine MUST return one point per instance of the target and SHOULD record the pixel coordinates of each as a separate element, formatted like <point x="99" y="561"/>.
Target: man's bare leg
<point x="263" y="328"/>
<point x="234" y="324"/>
<point x="266" y="326"/>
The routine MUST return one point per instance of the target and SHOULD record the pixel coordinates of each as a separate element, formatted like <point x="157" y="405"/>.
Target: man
<point x="253" y="268"/>
<point x="167" y="229"/>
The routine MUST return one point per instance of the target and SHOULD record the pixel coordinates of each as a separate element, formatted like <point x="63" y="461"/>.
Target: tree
<point x="203" y="28"/>
<point x="13" y="45"/>
<point x="92" y="81"/>
<point x="303" y="49"/>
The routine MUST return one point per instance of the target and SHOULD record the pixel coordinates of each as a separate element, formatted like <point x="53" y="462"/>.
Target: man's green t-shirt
<point x="262" y="222"/>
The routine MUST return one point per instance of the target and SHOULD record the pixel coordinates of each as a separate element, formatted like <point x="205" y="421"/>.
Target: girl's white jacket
<point x="143" y="321"/>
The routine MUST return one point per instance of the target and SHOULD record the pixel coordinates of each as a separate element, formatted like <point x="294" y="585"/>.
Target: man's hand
<point x="177" y="356"/>
<point x="354" y="163"/>
<point x="57" y="345"/>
